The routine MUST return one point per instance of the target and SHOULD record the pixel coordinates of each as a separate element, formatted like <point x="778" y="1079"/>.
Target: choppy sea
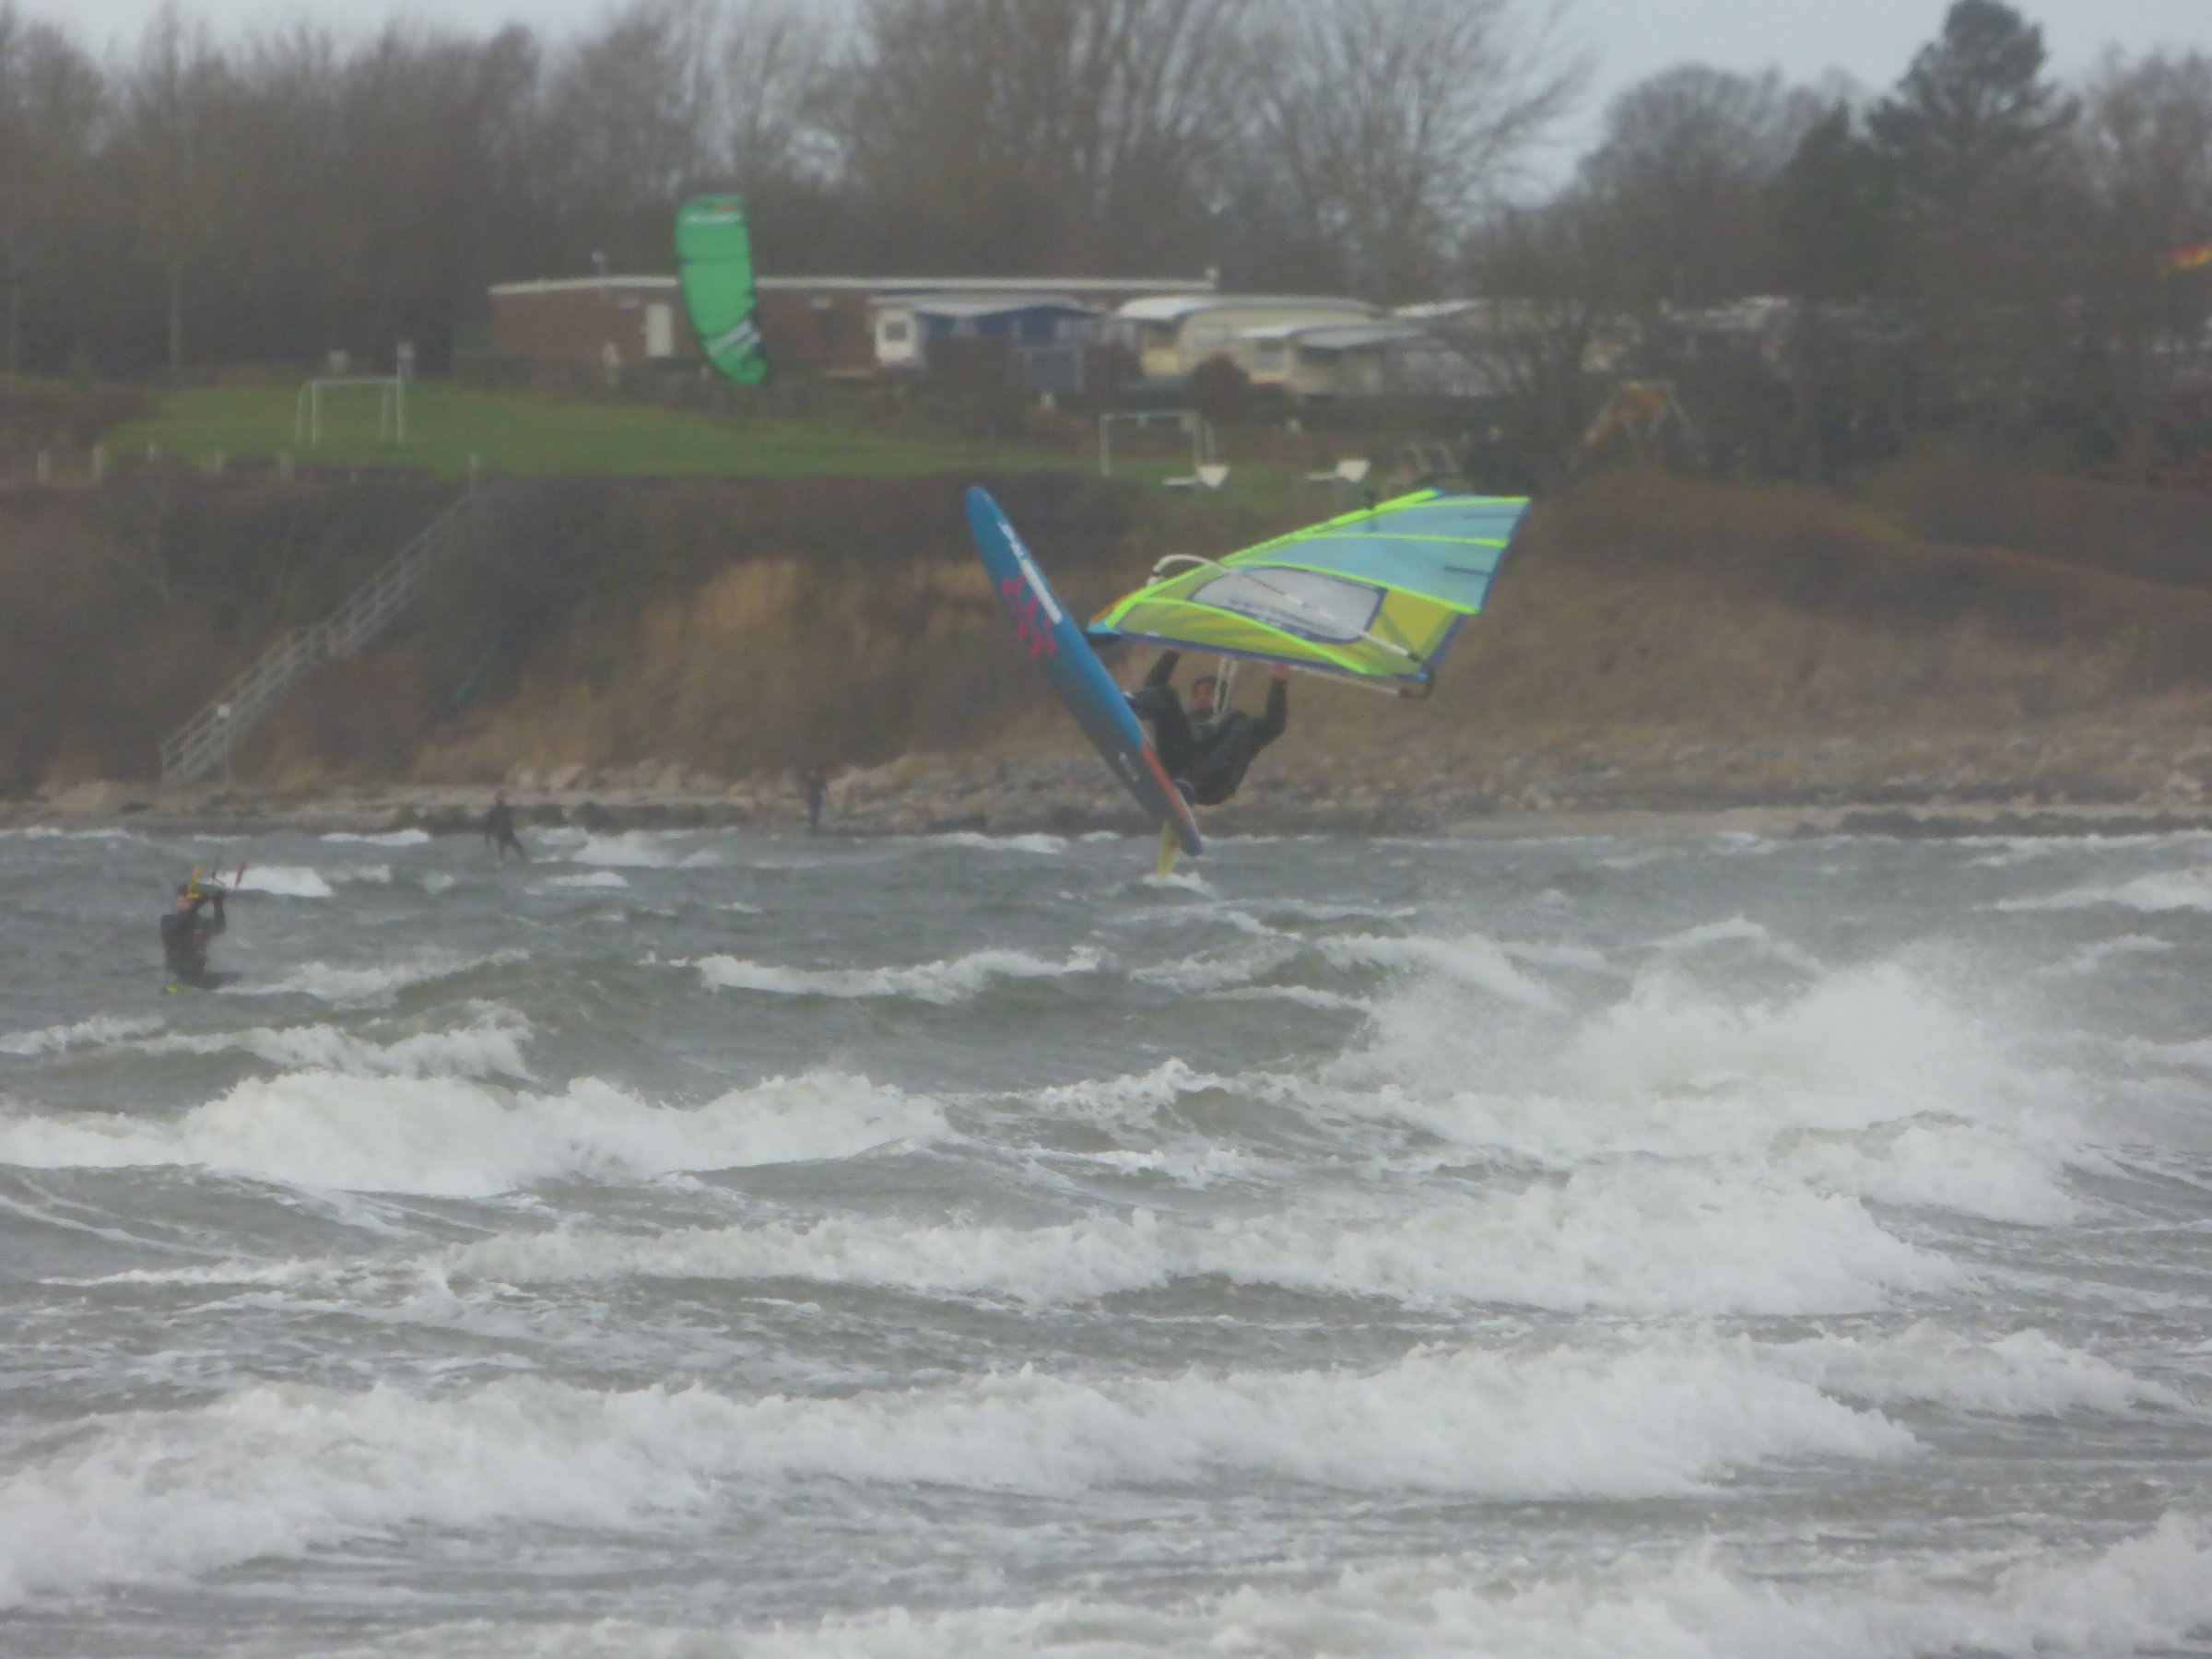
<point x="715" y="1243"/>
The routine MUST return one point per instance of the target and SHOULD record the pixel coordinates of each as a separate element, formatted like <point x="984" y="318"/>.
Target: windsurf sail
<point x="714" y="266"/>
<point x="1376" y="595"/>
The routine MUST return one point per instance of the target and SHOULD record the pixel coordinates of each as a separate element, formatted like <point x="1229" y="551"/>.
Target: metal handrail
<point x="194" y="749"/>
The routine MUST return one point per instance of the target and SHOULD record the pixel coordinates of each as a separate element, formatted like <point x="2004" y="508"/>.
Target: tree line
<point x="1976" y="244"/>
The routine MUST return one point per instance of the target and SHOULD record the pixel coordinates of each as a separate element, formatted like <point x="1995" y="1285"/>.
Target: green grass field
<point x="520" y="433"/>
<point x="523" y="433"/>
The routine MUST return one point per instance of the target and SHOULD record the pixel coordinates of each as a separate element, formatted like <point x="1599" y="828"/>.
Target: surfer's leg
<point x="1171" y="737"/>
<point x="1220" y="773"/>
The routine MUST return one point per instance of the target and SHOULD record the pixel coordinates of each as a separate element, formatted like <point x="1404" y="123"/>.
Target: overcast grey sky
<point x="1872" y="40"/>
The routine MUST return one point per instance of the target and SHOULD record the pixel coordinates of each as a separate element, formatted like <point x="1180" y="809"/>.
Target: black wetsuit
<point x="185" y="936"/>
<point x="499" y="830"/>
<point x="1206" y="760"/>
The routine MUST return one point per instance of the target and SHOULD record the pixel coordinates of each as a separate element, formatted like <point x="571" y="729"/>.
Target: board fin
<point x="1168" y="846"/>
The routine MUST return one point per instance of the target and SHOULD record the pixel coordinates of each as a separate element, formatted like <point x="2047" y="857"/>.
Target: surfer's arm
<point x="1163" y="670"/>
<point x="1278" y="713"/>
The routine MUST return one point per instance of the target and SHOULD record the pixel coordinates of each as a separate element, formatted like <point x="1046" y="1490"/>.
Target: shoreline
<point x="928" y="797"/>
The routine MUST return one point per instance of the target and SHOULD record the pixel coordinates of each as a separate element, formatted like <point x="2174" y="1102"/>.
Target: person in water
<point x="498" y="829"/>
<point x="186" y="933"/>
<point x="1205" y="750"/>
<point x="818" y="790"/>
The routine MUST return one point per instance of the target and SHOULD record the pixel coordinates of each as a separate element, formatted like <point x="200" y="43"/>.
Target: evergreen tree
<point x="1834" y="206"/>
<point x="1973" y="105"/>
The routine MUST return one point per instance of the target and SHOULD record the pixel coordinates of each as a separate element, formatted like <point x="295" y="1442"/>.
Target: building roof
<point x="1056" y="287"/>
<point x="1174" y="308"/>
<point x="580" y="285"/>
<point x="957" y="307"/>
<point x="1433" y="310"/>
<point x="1351" y="336"/>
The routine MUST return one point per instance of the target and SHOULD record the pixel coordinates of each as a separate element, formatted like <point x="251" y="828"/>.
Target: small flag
<point x="2192" y="257"/>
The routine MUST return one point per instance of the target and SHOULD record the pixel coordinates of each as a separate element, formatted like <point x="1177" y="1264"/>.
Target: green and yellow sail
<point x="1375" y="595"/>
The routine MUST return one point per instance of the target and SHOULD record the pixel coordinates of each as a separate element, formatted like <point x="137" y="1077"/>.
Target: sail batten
<point x="1375" y="594"/>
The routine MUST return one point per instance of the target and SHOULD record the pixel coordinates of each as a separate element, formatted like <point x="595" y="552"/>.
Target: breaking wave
<point x="447" y="1137"/>
<point x="954" y="980"/>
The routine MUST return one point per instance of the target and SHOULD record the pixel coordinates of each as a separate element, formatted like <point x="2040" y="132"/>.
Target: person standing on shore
<point x="498" y="829"/>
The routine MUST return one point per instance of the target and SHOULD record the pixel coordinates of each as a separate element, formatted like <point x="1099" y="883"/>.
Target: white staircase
<point x="204" y="744"/>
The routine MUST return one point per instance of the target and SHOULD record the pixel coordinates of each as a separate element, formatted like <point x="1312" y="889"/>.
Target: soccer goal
<point x="351" y="389"/>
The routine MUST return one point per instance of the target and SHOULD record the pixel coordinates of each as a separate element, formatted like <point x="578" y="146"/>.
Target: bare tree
<point x="175" y="99"/>
<point x="1550" y="329"/>
<point x="771" y="66"/>
<point x="52" y="100"/>
<point x="625" y="128"/>
<point x="1686" y="162"/>
<point x="1385" y="124"/>
<point x="1040" y="135"/>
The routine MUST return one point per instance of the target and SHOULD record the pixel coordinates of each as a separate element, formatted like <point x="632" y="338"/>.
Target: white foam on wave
<point x="1138" y="1094"/>
<point x="647" y="849"/>
<point x="101" y="1030"/>
<point x="1869" y="1081"/>
<point x="1305" y="995"/>
<point x="1735" y="930"/>
<point x="493" y="1044"/>
<point x="1666" y="1242"/>
<point x="53" y="832"/>
<point x="1265" y="953"/>
<point x="276" y="1471"/>
<point x="2149" y="1593"/>
<point x="389" y="838"/>
<point x="2189" y="890"/>
<point x="1472" y="960"/>
<point x="447" y="1137"/>
<point x="2025" y="1374"/>
<point x="1045" y="846"/>
<point x="285" y="881"/>
<point x="1182" y="881"/>
<point x="596" y="878"/>
<point x="2095" y="958"/>
<point x="953" y="979"/>
<point x="376" y="986"/>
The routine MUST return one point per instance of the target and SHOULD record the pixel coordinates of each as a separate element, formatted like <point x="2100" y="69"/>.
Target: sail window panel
<point x="1305" y="603"/>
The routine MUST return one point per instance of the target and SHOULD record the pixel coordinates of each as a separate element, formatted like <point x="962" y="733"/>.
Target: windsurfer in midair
<point x="1205" y="750"/>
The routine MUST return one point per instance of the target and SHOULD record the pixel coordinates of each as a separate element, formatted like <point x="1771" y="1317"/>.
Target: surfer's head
<point x="183" y="900"/>
<point x="1202" y="696"/>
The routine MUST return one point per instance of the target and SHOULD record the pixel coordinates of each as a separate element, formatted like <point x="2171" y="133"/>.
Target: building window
<point x="897" y="332"/>
<point x="1209" y="334"/>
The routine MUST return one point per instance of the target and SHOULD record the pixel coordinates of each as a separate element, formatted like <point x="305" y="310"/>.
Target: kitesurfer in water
<point x="498" y="829"/>
<point x="1206" y="750"/>
<point x="186" y="933"/>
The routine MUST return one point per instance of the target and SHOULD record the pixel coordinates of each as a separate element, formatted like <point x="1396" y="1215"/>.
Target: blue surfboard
<point x="1054" y="642"/>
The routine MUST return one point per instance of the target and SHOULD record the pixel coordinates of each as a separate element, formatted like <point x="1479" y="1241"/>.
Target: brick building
<point x="808" y="324"/>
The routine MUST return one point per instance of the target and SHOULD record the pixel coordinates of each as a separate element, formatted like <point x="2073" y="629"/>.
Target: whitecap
<point x="954" y="980"/>
<point x="447" y="1137"/>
